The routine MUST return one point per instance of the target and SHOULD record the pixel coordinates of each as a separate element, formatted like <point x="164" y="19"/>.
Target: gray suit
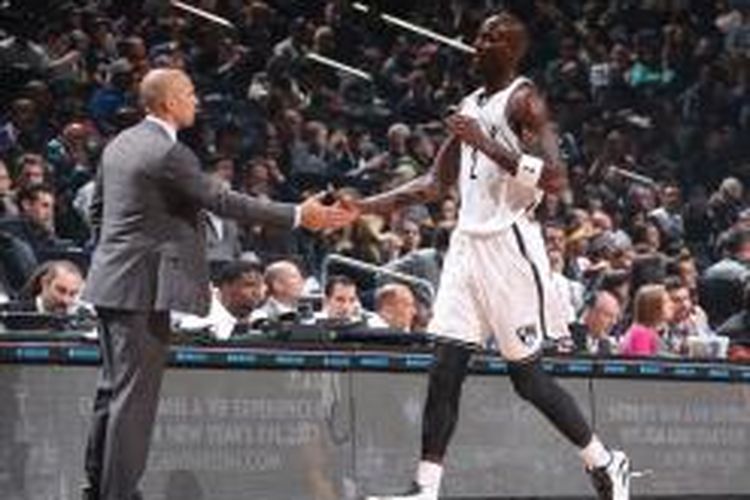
<point x="147" y="212"/>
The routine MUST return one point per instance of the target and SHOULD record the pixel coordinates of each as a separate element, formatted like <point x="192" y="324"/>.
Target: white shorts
<point x="499" y="286"/>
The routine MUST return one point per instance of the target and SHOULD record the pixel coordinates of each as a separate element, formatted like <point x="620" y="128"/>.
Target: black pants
<point x="134" y="348"/>
<point x="530" y="382"/>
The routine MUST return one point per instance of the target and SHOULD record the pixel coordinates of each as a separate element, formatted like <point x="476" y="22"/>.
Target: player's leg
<point x="609" y="469"/>
<point x="456" y="317"/>
<point x="439" y="420"/>
<point x="520" y="327"/>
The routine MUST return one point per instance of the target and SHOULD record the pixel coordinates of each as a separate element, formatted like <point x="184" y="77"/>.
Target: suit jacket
<point x="224" y="246"/>
<point x="147" y="216"/>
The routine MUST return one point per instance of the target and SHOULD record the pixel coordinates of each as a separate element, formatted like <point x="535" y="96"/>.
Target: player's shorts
<point x="499" y="286"/>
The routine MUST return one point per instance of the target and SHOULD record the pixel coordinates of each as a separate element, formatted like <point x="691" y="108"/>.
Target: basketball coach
<point x="148" y="213"/>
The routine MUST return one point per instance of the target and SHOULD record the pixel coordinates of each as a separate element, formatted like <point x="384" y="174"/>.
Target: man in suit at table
<point x="148" y="213"/>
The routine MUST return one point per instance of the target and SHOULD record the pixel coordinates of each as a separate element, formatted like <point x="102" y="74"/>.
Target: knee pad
<point x="529" y="380"/>
<point x="451" y="363"/>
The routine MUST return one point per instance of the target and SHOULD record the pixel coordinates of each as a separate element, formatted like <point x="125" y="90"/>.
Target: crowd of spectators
<point x="650" y="245"/>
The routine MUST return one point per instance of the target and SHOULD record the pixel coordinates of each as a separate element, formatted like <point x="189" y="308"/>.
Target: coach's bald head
<point x="169" y="94"/>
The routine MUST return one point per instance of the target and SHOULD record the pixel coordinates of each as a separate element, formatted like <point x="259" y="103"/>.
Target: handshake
<point x="324" y="211"/>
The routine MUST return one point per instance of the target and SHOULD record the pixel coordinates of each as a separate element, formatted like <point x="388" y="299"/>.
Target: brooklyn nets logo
<point x="528" y="335"/>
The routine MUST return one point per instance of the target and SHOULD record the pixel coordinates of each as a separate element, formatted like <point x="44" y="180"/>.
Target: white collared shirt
<point x="219" y="321"/>
<point x="168" y="127"/>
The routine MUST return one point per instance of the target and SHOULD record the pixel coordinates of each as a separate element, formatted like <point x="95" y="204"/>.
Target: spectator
<point x="725" y="204"/>
<point x="116" y="93"/>
<point x="737" y="329"/>
<point x="7" y="206"/>
<point x="23" y="131"/>
<point x="570" y="292"/>
<point x="31" y="170"/>
<point x="309" y="158"/>
<point x="340" y="301"/>
<point x="222" y="235"/>
<point x="70" y="155"/>
<point x="54" y="288"/>
<point x="417" y="105"/>
<point x="567" y="73"/>
<point x="651" y="310"/>
<point x="687" y="320"/>
<point x="721" y="284"/>
<point x="592" y="335"/>
<point x="240" y="289"/>
<point x="448" y="215"/>
<point x="668" y="217"/>
<point x="380" y="166"/>
<point x="688" y="273"/>
<point x="17" y="263"/>
<point x="284" y="283"/>
<point x="35" y="223"/>
<point x="395" y="306"/>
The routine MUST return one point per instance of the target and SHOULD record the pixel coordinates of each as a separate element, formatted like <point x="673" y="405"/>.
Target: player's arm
<point x="424" y="189"/>
<point x="541" y="164"/>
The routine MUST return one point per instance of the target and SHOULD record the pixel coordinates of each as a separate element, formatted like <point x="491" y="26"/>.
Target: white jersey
<point x="491" y="198"/>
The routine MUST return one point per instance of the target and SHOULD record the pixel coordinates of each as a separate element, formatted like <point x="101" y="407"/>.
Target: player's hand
<point x="316" y="216"/>
<point x="467" y="129"/>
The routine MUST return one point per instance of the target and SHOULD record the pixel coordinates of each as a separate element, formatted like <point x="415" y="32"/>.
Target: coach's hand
<point x="314" y="215"/>
<point x="467" y="129"/>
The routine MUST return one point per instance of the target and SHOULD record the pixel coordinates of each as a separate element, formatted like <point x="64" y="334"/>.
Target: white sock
<point x="595" y="454"/>
<point x="429" y="475"/>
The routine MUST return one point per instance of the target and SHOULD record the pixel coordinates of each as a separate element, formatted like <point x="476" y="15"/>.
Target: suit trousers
<point x="134" y="348"/>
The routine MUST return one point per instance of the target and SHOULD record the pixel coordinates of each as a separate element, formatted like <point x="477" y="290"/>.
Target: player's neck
<point x="500" y="80"/>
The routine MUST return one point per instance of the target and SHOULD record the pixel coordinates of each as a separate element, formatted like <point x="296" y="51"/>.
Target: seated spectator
<point x="737" y="329"/>
<point x="222" y="234"/>
<point x="668" y="216"/>
<point x="396" y="306"/>
<point x="688" y="319"/>
<point x="32" y="170"/>
<point x="23" y="129"/>
<point x="114" y="94"/>
<point x="17" y="263"/>
<point x="54" y="288"/>
<point x="688" y="273"/>
<point x="648" y="268"/>
<point x="240" y="289"/>
<point x="448" y="215"/>
<point x="285" y="285"/>
<point x="651" y="310"/>
<point x="569" y="292"/>
<point x="35" y="223"/>
<point x="721" y="285"/>
<point x="410" y="258"/>
<point x="592" y="334"/>
<point x="617" y="282"/>
<point x="340" y="301"/>
<point x="7" y="206"/>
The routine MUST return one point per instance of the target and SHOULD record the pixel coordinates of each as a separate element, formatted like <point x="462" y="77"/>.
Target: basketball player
<point x="503" y="154"/>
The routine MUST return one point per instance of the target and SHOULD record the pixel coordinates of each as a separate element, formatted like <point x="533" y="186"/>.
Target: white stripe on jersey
<point x="491" y="199"/>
